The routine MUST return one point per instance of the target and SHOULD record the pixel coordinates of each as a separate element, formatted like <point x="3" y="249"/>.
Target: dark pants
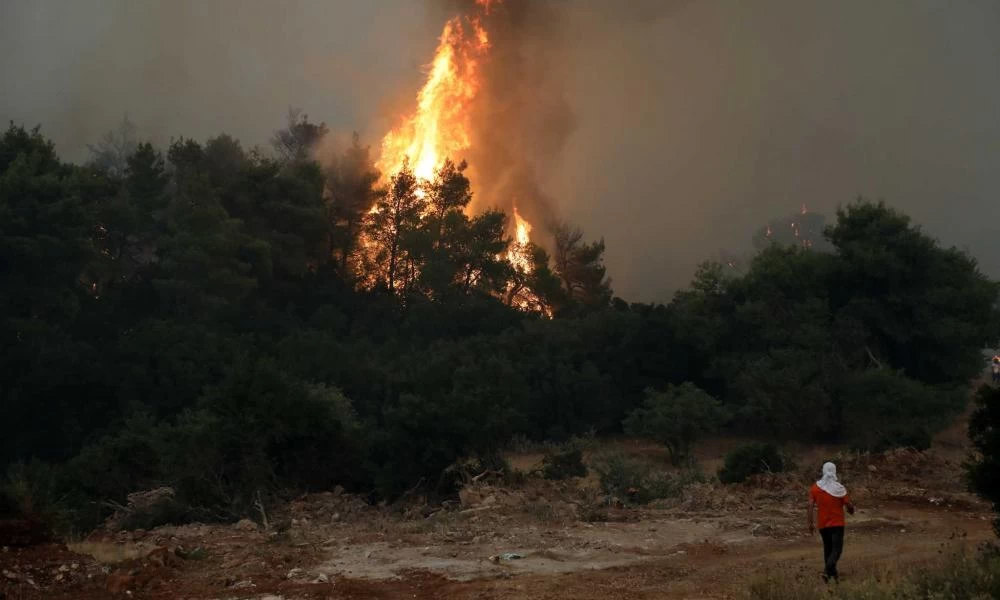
<point x="833" y="547"/>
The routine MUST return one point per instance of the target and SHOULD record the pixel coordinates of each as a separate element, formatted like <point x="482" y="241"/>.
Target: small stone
<point x="322" y="578"/>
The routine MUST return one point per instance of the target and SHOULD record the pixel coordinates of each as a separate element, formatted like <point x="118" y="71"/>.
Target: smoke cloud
<point x="673" y="129"/>
<point x="194" y="68"/>
<point x="698" y="125"/>
<point x="523" y="117"/>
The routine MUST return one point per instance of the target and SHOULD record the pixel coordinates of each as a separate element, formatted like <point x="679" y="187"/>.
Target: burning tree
<point x="459" y="253"/>
<point x="406" y="223"/>
<point x="443" y="127"/>
<point x="390" y="230"/>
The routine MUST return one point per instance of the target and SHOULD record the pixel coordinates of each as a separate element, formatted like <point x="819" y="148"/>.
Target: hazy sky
<point x="696" y="121"/>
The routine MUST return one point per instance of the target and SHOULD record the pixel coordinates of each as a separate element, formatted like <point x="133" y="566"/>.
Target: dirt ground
<point x="537" y="540"/>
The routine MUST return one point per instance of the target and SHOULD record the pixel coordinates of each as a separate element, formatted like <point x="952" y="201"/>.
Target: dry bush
<point x="563" y="463"/>
<point x="110" y="553"/>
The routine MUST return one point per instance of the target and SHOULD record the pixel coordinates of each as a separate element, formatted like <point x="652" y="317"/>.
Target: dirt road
<point x="891" y="537"/>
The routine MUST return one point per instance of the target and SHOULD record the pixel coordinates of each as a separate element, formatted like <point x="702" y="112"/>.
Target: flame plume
<point x="517" y="255"/>
<point x="441" y="126"/>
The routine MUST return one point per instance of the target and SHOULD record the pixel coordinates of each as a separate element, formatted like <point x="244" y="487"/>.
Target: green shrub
<point x="619" y="474"/>
<point x="675" y="418"/>
<point x="563" y="463"/>
<point x="884" y="409"/>
<point x="259" y="429"/>
<point x="751" y="459"/>
<point x="152" y="508"/>
<point x="109" y="468"/>
<point x="32" y="491"/>
<point x="637" y="481"/>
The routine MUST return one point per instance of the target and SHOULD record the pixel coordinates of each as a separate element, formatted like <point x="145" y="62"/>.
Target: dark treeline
<point x="232" y="324"/>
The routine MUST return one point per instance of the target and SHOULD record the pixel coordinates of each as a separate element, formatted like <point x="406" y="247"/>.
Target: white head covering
<point x="829" y="483"/>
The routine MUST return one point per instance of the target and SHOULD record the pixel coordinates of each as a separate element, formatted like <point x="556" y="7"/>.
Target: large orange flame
<point x="517" y="255"/>
<point x="441" y="126"/>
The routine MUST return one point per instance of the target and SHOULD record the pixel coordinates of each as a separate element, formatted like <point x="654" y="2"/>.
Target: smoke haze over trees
<point x="703" y="120"/>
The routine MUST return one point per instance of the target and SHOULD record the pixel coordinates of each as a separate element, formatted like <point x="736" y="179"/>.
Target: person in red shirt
<point x="827" y="500"/>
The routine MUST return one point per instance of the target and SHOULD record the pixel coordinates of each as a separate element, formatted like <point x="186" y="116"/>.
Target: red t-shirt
<point x="830" y="508"/>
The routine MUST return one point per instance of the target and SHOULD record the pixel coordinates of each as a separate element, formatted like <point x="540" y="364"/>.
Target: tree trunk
<point x="348" y="245"/>
<point x="392" y="265"/>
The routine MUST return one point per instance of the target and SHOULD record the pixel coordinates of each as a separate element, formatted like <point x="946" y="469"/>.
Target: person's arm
<point x="849" y="505"/>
